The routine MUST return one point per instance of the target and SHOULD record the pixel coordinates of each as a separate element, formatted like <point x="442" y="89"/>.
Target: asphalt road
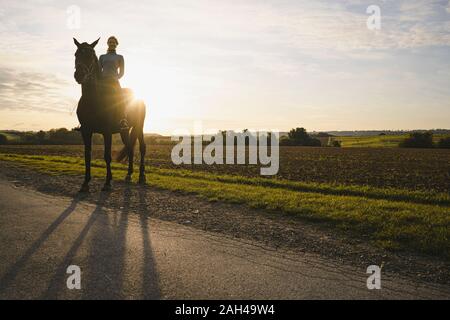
<point x="129" y="256"/>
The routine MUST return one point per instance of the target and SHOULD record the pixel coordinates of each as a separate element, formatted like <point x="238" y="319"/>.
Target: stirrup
<point x="124" y="124"/>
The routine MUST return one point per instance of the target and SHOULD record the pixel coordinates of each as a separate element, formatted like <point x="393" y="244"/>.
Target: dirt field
<point x="414" y="169"/>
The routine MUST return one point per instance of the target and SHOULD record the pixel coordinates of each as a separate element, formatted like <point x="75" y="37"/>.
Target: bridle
<point x="87" y="70"/>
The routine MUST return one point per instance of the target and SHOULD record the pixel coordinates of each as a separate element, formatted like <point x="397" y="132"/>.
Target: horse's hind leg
<point x="108" y="143"/>
<point x="142" y="149"/>
<point x="130" y="150"/>
<point x="87" y="140"/>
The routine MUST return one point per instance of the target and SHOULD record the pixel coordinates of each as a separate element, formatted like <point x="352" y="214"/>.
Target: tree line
<point x="61" y="136"/>
<point x="424" y="140"/>
<point x="295" y="137"/>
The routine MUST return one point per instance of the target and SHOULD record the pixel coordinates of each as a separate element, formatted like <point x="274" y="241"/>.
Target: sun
<point x="159" y="89"/>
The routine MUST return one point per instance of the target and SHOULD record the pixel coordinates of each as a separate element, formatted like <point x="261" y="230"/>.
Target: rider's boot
<point x="123" y="124"/>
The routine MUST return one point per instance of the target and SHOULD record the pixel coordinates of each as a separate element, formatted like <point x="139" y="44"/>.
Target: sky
<point x="235" y="64"/>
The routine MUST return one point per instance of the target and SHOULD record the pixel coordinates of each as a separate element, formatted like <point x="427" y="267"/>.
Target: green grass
<point x="390" y="141"/>
<point x="390" y="218"/>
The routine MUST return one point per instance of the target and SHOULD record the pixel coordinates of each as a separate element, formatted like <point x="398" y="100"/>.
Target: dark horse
<point x="96" y="114"/>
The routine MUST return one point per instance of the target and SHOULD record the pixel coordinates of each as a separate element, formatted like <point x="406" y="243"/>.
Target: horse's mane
<point x="97" y="67"/>
<point x="86" y="108"/>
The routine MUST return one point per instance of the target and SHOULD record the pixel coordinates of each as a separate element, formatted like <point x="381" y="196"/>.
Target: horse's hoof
<point x="106" y="187"/>
<point x="142" y="180"/>
<point x="128" y="178"/>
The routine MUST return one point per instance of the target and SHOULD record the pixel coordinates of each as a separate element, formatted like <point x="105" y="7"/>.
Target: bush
<point x="418" y="140"/>
<point x="299" y="137"/>
<point x="3" y="139"/>
<point x="444" y="143"/>
<point x="336" y="144"/>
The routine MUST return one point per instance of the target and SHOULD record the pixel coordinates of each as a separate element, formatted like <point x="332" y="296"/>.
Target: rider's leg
<point x="122" y="116"/>
<point x="121" y="107"/>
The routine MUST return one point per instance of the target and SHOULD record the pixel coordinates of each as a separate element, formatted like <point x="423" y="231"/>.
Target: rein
<point x="89" y="70"/>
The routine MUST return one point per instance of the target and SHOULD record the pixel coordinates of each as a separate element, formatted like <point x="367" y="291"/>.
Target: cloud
<point x="33" y="91"/>
<point x="209" y="50"/>
<point x="209" y="29"/>
<point x="418" y="10"/>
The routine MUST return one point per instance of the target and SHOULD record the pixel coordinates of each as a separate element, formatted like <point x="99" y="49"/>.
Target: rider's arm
<point x="100" y="64"/>
<point x="121" y="67"/>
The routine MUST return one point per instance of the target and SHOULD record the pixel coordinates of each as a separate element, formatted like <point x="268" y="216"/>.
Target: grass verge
<point x="390" y="218"/>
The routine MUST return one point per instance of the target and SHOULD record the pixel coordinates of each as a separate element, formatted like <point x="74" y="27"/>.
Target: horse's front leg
<point x="107" y="138"/>
<point x="87" y="140"/>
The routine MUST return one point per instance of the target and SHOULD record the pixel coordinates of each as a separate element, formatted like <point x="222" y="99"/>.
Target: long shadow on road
<point x="57" y="282"/>
<point x="150" y="279"/>
<point x="103" y="274"/>
<point x="12" y="272"/>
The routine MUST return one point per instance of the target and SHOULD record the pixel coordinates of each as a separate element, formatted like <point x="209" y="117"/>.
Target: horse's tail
<point x="136" y="128"/>
<point x="123" y="153"/>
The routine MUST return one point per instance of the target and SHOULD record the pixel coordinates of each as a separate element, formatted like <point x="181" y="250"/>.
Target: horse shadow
<point x="106" y="260"/>
<point x="11" y="274"/>
<point x="150" y="276"/>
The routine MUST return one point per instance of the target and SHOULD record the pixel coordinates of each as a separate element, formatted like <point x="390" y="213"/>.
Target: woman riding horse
<point x="112" y="68"/>
<point x="98" y="107"/>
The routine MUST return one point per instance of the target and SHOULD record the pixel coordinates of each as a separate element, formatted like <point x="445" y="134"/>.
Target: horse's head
<point x="85" y="61"/>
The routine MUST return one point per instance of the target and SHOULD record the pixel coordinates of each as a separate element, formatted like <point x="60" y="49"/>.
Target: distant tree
<point x="284" y="141"/>
<point x="299" y="137"/>
<point x="298" y="134"/>
<point x="58" y="135"/>
<point x="418" y="140"/>
<point x="28" y="138"/>
<point x="223" y="133"/>
<point x="64" y="136"/>
<point x="336" y="144"/>
<point x="40" y="136"/>
<point x="444" y="143"/>
<point x="3" y="139"/>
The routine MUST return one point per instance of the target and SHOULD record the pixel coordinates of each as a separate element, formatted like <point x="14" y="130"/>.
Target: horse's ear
<point x="76" y="42"/>
<point x="93" y="44"/>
